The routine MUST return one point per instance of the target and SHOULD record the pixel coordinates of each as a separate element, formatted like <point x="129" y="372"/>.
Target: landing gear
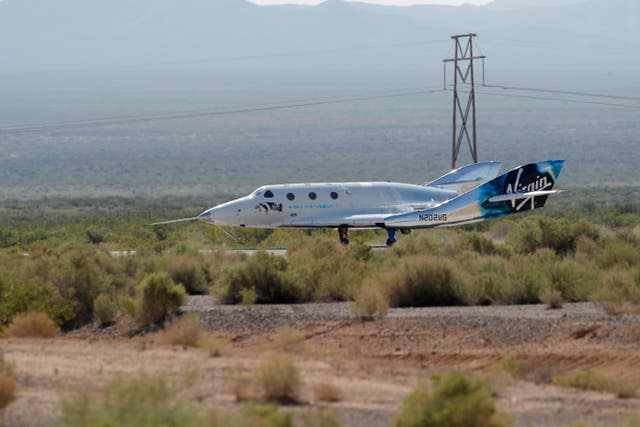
<point x="391" y="236"/>
<point x="342" y="231"/>
<point x="405" y="230"/>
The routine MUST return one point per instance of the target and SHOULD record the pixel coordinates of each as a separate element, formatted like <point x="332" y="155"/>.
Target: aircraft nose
<point x="208" y="216"/>
<point x="224" y="214"/>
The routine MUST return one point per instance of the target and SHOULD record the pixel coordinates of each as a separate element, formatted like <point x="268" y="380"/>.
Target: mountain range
<point x="37" y="35"/>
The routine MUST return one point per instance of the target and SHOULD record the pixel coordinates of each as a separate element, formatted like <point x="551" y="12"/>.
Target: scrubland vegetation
<point x="63" y="265"/>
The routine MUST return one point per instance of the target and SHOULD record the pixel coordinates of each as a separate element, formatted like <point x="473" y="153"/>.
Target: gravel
<point x="505" y="324"/>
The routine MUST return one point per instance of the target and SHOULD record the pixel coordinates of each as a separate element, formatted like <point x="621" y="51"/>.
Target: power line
<point x="564" y="92"/>
<point x="206" y="113"/>
<point x="569" y="100"/>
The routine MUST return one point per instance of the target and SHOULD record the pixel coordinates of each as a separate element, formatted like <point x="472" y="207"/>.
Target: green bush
<point x="617" y="253"/>
<point x="30" y="296"/>
<point x="619" y="294"/>
<point x="479" y="243"/>
<point x="575" y="281"/>
<point x="159" y="297"/>
<point x="263" y="273"/>
<point x="105" y="309"/>
<point x="425" y="281"/>
<point x="455" y="400"/>
<point x="187" y="271"/>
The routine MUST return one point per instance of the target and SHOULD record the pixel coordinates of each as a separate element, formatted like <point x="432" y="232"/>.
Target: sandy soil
<point x="374" y="365"/>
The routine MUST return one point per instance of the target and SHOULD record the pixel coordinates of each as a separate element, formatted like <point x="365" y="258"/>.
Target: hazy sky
<point x="389" y="2"/>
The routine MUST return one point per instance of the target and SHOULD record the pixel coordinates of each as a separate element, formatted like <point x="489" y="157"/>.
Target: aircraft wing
<point x="355" y="221"/>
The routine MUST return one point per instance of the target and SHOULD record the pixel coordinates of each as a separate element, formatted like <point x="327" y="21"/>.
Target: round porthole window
<point x="312" y="195"/>
<point x="334" y="195"/>
<point x="291" y="196"/>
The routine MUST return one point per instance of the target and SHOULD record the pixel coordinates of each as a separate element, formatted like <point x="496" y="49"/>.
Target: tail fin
<point x="467" y="177"/>
<point x="521" y="189"/>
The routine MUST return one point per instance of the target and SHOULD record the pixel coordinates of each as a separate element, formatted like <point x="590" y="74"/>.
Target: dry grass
<point x="371" y="303"/>
<point x="288" y="340"/>
<point x="242" y="386"/>
<point x="598" y="381"/>
<point x="327" y="392"/>
<point x="185" y="331"/>
<point x="7" y="382"/>
<point x="552" y="298"/>
<point x="32" y="325"/>
<point x="279" y="380"/>
<point x="520" y="369"/>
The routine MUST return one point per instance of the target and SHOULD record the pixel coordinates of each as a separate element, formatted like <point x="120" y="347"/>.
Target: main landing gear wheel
<point x="342" y="231"/>
<point x="391" y="236"/>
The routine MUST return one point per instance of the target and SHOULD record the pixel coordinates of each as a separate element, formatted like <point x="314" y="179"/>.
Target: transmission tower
<point x="463" y="74"/>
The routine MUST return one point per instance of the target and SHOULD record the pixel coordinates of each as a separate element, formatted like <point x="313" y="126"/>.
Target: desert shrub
<point x="455" y="400"/>
<point x="80" y="280"/>
<point x="288" y="339"/>
<point x="619" y="294"/>
<point x="139" y="402"/>
<point x="551" y="297"/>
<point x="127" y="305"/>
<point x="105" y="309"/>
<point x="248" y="297"/>
<point x="525" y="237"/>
<point x="617" y="253"/>
<point x="326" y="392"/>
<point x="185" y="331"/>
<point x="428" y="281"/>
<point x="279" y="380"/>
<point x="7" y="382"/>
<point x="557" y="234"/>
<point x="360" y="251"/>
<point x="574" y="281"/>
<point x="32" y="325"/>
<point x="188" y="272"/>
<point x="479" y="243"/>
<point x="324" y="270"/>
<point x="263" y="273"/>
<point x="598" y="381"/>
<point x="526" y="281"/>
<point x="159" y="297"/>
<point x="32" y="295"/>
<point x="371" y="303"/>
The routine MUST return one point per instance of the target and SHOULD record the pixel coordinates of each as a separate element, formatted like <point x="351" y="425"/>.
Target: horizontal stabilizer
<point x="467" y="177"/>
<point x="517" y="196"/>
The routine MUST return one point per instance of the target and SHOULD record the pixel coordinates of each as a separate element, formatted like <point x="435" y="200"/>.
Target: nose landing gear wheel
<point x="342" y="231"/>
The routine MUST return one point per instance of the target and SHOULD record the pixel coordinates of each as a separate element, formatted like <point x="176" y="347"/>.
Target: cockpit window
<point x="268" y="194"/>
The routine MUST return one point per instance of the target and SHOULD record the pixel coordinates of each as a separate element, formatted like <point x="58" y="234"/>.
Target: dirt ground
<point x="374" y="364"/>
